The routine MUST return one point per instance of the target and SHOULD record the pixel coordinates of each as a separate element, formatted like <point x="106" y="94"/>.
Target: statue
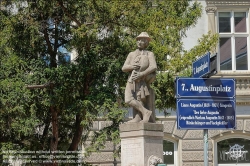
<point x="154" y="160"/>
<point x="141" y="66"/>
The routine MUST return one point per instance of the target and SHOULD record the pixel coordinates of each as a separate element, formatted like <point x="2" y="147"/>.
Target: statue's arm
<point x="151" y="68"/>
<point x="127" y="67"/>
<point x="152" y="65"/>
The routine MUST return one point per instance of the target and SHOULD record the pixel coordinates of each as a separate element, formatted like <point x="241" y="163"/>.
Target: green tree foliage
<point x="47" y="102"/>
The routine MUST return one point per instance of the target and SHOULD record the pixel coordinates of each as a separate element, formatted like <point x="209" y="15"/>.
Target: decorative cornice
<point x="232" y="74"/>
<point x="242" y="103"/>
<point x="242" y="85"/>
<point x="227" y="2"/>
<point x="211" y="9"/>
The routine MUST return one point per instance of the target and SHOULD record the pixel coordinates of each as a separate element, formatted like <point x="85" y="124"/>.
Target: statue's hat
<point x="143" y="35"/>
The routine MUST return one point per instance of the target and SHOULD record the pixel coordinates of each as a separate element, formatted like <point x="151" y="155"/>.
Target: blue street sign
<point x="205" y="88"/>
<point x="201" y="66"/>
<point x="206" y="114"/>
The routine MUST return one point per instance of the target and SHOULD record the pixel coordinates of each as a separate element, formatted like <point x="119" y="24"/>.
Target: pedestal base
<point x="141" y="142"/>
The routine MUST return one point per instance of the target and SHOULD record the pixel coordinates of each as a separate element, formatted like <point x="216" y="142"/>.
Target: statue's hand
<point x="136" y="66"/>
<point x="136" y="75"/>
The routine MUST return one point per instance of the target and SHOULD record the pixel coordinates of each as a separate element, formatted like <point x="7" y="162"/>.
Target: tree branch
<point x="46" y="36"/>
<point x="78" y="133"/>
<point x="68" y="14"/>
<point x="50" y="85"/>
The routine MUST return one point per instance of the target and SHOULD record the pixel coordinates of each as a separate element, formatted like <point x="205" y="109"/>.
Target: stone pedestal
<point x="141" y="142"/>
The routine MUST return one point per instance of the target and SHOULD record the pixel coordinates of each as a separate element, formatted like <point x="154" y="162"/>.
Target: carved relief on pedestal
<point x="154" y="160"/>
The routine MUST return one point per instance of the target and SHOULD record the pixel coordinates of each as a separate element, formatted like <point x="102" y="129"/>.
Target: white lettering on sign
<point x="209" y="113"/>
<point x="202" y="67"/>
<point x="209" y="88"/>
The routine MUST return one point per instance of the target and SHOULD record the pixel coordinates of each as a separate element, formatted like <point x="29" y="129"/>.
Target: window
<point x="169" y="153"/>
<point x="233" y="151"/>
<point x="233" y="28"/>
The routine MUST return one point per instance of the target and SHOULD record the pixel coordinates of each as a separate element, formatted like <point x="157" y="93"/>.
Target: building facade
<point x="231" y="20"/>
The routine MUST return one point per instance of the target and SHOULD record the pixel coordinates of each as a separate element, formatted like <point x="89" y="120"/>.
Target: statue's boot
<point x="145" y="112"/>
<point x="137" y="118"/>
<point x="146" y="117"/>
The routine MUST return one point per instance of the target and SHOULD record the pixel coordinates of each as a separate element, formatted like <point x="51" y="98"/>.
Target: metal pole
<point x="205" y="133"/>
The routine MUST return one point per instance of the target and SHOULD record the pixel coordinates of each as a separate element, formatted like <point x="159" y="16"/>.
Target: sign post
<point x="205" y="103"/>
<point x="205" y="141"/>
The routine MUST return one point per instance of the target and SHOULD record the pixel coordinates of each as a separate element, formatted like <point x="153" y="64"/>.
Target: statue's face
<point x="142" y="43"/>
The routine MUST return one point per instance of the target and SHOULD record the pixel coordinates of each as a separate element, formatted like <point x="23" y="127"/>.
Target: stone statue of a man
<point x="141" y="66"/>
